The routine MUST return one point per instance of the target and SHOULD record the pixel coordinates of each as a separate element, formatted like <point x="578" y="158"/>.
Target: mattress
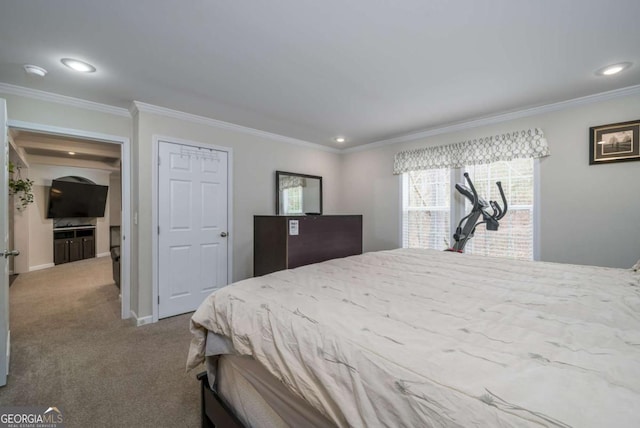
<point x="426" y="338"/>
<point x="259" y="399"/>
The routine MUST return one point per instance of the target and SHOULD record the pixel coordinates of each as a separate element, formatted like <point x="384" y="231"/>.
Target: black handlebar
<point x="479" y="204"/>
<point x="504" y="201"/>
<point x="473" y="189"/>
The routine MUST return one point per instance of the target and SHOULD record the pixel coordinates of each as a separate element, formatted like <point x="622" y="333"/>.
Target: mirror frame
<point x="279" y="173"/>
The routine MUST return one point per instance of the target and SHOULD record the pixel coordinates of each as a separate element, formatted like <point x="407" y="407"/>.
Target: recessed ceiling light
<point x="72" y="153"/>
<point x="612" y="69"/>
<point x="35" y="70"/>
<point x="340" y="139"/>
<point x="78" y="65"/>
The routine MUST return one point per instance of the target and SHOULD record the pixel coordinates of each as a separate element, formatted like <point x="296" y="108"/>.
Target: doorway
<point x="108" y="154"/>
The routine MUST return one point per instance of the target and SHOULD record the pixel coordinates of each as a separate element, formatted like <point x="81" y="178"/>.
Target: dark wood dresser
<point x="286" y="242"/>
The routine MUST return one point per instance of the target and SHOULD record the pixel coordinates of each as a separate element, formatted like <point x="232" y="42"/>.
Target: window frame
<point x="457" y="209"/>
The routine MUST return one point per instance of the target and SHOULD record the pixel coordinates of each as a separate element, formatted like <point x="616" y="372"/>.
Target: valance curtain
<point x="289" y="182"/>
<point x="515" y="145"/>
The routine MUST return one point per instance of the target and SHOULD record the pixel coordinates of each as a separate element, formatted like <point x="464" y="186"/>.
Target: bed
<point x="420" y="338"/>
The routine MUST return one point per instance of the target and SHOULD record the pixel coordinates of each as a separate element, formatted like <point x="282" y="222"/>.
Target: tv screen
<point x="71" y="199"/>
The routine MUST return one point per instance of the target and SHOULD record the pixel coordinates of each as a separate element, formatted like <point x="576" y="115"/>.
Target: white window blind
<point x="514" y="238"/>
<point x="426" y="209"/>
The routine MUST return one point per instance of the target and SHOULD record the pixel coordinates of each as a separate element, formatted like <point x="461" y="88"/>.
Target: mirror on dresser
<point x="298" y="194"/>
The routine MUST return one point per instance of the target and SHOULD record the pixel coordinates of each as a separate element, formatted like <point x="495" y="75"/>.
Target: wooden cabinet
<point x="60" y="251"/>
<point x="88" y="248"/>
<point x="73" y="243"/>
<point x="75" y="250"/>
<point x="286" y="242"/>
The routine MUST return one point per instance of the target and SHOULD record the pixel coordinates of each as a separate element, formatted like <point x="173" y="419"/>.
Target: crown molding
<point x="62" y="99"/>
<point x="490" y="120"/>
<point x="138" y="106"/>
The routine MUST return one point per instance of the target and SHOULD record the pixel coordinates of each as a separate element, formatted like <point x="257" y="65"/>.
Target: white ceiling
<point x="38" y="148"/>
<point x="370" y="70"/>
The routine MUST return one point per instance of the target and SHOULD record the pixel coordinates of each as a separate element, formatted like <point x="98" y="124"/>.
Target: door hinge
<point x="158" y="299"/>
<point x="158" y="160"/>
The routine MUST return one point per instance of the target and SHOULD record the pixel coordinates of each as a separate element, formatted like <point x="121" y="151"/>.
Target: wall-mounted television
<point x="70" y="199"/>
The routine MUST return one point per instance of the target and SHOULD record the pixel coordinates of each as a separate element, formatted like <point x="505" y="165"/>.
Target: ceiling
<point x="38" y="148"/>
<point x="370" y="70"/>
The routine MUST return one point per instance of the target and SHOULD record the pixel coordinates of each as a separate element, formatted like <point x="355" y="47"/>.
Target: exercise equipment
<point x="467" y="226"/>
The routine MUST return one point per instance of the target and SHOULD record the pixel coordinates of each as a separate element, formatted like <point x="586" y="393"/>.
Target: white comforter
<point x="427" y="338"/>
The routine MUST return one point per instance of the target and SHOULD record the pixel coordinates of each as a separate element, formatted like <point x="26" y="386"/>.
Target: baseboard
<point x="40" y="267"/>
<point x="141" y="321"/>
<point x="107" y="254"/>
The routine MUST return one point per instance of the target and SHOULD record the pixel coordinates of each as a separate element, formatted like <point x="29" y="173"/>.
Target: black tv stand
<point x="73" y="243"/>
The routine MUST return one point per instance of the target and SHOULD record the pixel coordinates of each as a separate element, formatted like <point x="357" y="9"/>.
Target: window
<point x="292" y="200"/>
<point x="427" y="208"/>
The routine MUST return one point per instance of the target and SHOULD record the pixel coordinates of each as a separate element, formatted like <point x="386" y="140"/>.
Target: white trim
<point x="155" y="196"/>
<point x="70" y="132"/>
<point x="140" y="321"/>
<point x="402" y="184"/>
<point x="156" y="139"/>
<point x="8" y="350"/>
<point x="62" y="99"/>
<point x="107" y="254"/>
<point x="138" y="106"/>
<point x="40" y="267"/>
<point x="125" y="227"/>
<point x="473" y="123"/>
<point x="537" y="200"/>
<point x="456" y="202"/>
<point x="499" y="118"/>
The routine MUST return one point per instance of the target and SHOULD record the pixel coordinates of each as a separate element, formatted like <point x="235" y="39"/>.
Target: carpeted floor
<point x="71" y="350"/>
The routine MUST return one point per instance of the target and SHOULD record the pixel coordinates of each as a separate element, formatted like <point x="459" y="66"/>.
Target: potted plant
<point x="22" y="188"/>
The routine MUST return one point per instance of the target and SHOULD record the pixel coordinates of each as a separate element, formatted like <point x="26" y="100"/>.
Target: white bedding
<point x="428" y="338"/>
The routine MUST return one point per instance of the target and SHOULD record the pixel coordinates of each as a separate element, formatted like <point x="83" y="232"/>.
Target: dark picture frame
<point x="615" y="142"/>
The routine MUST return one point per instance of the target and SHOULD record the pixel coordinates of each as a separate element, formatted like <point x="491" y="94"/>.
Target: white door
<point x="192" y="219"/>
<point x="4" y="241"/>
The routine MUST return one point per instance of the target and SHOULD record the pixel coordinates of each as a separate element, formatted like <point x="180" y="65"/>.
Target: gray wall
<point x="255" y="160"/>
<point x="589" y="214"/>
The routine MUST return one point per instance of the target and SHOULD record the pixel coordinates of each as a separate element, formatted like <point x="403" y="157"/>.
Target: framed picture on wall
<point x="616" y="142"/>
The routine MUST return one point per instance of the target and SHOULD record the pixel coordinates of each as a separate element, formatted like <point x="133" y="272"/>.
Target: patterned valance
<point x="515" y="145"/>
<point x="289" y="182"/>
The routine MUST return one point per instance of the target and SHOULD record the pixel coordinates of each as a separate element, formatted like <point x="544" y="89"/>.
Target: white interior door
<point x="4" y="241"/>
<point x="192" y="219"/>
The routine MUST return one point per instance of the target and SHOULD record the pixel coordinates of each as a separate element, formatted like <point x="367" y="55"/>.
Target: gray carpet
<point x="70" y="349"/>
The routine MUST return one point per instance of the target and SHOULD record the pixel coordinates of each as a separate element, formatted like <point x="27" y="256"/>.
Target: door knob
<point x="223" y="234"/>
<point x="8" y="253"/>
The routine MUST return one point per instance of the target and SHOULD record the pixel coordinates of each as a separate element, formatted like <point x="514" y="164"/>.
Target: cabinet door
<point x="88" y="248"/>
<point x="75" y="249"/>
<point x="60" y="251"/>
